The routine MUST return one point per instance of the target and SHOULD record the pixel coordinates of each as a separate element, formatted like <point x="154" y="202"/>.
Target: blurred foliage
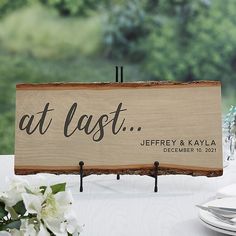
<point x="7" y="6"/>
<point x="198" y="45"/>
<point x="64" y="7"/>
<point x="126" y="27"/>
<point x="55" y="37"/>
<point x="72" y="7"/>
<point x="7" y="133"/>
<point x="181" y="40"/>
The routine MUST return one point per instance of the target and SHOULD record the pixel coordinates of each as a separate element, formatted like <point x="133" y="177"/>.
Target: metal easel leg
<point x="156" y="165"/>
<point x="81" y="171"/>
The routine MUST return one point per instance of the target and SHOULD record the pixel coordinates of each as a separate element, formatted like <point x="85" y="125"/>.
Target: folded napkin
<point x="228" y="191"/>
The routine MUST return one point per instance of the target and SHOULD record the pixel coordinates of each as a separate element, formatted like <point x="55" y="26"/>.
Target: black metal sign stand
<point x="81" y="172"/>
<point x="155" y="164"/>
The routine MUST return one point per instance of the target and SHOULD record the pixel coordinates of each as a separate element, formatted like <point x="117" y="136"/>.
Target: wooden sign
<point x="119" y="128"/>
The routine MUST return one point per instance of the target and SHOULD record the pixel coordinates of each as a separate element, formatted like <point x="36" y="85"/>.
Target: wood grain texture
<point x="165" y="111"/>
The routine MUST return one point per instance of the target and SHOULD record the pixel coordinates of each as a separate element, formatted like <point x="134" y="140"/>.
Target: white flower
<point x="72" y="224"/>
<point x="53" y="210"/>
<point x="46" y="211"/>
<point x="4" y="233"/>
<point x="27" y="229"/>
<point x="33" y="203"/>
<point x="17" y="186"/>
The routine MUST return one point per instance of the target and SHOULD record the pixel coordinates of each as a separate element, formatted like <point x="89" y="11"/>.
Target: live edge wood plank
<point x="35" y="154"/>
<point x="162" y="170"/>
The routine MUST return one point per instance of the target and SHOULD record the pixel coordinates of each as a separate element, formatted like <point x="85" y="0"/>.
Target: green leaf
<point x="20" y="208"/>
<point x="12" y="225"/>
<point x="58" y="188"/>
<point x="3" y="212"/>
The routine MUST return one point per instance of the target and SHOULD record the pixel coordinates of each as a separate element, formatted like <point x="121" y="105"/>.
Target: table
<point x="126" y="207"/>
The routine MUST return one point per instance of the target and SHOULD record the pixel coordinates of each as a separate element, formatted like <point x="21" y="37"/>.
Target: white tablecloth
<point x="129" y="207"/>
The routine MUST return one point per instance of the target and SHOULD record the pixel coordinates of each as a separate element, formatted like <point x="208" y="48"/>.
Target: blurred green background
<point x="83" y="40"/>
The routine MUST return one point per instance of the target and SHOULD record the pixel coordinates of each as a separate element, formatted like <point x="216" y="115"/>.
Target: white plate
<point x="223" y="231"/>
<point x="211" y="221"/>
